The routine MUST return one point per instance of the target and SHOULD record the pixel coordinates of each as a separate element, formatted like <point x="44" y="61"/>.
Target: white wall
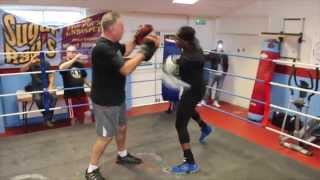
<point x="242" y="28"/>
<point x="276" y="10"/>
<point x="241" y="33"/>
<point x="205" y="33"/>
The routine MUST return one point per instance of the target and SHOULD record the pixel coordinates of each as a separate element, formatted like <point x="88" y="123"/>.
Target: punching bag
<point x="261" y="91"/>
<point x="170" y="49"/>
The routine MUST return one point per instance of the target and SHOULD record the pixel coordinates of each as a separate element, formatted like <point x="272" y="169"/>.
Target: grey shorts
<point x="109" y="118"/>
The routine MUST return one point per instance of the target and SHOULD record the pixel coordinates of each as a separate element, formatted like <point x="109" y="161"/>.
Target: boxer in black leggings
<point x="191" y="71"/>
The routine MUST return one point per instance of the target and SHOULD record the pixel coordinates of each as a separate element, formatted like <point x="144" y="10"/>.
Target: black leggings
<point x="186" y="110"/>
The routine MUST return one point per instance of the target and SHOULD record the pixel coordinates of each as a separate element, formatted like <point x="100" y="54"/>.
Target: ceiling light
<point x="185" y="1"/>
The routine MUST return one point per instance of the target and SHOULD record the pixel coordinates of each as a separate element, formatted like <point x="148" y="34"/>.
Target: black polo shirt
<point x="108" y="84"/>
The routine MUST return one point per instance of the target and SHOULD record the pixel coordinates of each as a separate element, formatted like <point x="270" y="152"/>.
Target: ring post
<point x="44" y="79"/>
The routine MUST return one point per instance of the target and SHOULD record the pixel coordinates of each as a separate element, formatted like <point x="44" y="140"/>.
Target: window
<point x="49" y="16"/>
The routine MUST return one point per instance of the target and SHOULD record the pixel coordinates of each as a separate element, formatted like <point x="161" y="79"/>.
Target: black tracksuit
<point x="191" y="72"/>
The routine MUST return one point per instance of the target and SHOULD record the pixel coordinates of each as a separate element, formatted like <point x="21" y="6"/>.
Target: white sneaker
<point x="88" y="117"/>
<point x="201" y="103"/>
<point x="73" y="122"/>
<point x="216" y="104"/>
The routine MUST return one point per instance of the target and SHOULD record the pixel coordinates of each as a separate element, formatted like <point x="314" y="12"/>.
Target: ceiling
<point x="206" y="8"/>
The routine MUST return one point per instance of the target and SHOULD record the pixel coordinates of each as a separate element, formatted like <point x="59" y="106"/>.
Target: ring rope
<point x="143" y="81"/>
<point x="234" y="75"/>
<point x="35" y="52"/>
<point x="292" y="137"/>
<point x="43" y="91"/>
<point x="64" y="107"/>
<point x="295" y="88"/>
<point x="39" y="72"/>
<point x="277" y="61"/>
<point x="271" y="105"/>
<point x="262" y="81"/>
<point x="65" y="89"/>
<point x="232" y="115"/>
<point x="58" y="70"/>
<point x="239" y="96"/>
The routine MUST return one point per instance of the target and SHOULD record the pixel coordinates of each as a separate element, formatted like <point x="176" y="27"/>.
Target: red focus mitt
<point x="142" y="32"/>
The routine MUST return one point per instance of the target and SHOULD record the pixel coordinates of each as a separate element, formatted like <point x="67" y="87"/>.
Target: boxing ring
<point x="64" y="152"/>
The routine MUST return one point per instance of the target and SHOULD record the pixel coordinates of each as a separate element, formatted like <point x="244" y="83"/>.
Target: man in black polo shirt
<point x="109" y="71"/>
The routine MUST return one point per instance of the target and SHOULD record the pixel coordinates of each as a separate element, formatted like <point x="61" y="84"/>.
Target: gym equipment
<point x="304" y="127"/>
<point x="271" y="51"/>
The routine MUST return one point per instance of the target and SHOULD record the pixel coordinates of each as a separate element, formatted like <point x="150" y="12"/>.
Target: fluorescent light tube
<point x="185" y="1"/>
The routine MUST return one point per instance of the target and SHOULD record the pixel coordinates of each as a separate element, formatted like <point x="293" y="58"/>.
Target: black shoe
<point x="169" y="111"/>
<point x="129" y="159"/>
<point x="94" y="175"/>
<point x="49" y="124"/>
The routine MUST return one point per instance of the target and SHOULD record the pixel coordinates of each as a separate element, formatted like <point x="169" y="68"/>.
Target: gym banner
<point x="82" y="34"/>
<point x="19" y="35"/>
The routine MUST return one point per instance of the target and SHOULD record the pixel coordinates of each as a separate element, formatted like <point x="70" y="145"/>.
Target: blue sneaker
<point x="185" y="168"/>
<point x="205" y="133"/>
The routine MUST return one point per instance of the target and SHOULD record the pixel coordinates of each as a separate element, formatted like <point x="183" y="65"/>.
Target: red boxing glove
<point x="142" y="32"/>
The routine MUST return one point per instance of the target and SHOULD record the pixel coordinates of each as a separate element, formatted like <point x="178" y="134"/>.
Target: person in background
<point x="75" y="77"/>
<point x="220" y="63"/>
<point x="37" y="85"/>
